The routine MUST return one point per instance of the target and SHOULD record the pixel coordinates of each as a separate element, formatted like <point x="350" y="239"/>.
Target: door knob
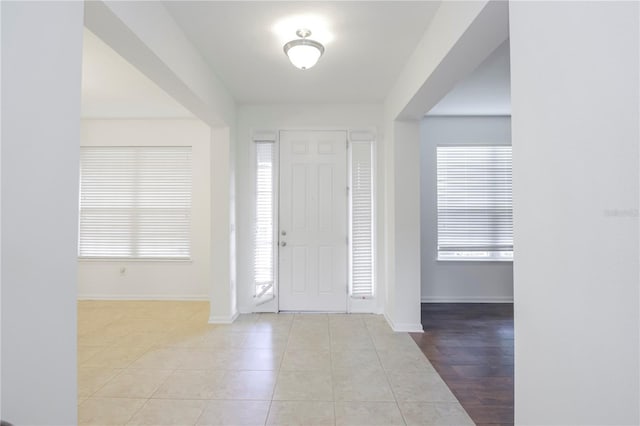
<point x="283" y="244"/>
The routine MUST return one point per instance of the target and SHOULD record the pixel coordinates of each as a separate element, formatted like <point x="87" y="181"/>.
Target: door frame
<point x="371" y="305"/>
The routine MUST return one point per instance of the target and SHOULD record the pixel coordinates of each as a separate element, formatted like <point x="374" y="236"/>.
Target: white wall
<point x="41" y="67"/>
<point x="459" y="37"/>
<point x="0" y="230"/>
<point x="457" y="281"/>
<point x="223" y="306"/>
<point x="282" y="117"/>
<point x="403" y="229"/>
<point x="102" y="279"/>
<point x="575" y="120"/>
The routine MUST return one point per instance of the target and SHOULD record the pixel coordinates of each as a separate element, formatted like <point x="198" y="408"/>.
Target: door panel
<point x="313" y="221"/>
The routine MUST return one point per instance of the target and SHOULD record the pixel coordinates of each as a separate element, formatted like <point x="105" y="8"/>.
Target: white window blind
<point x="474" y="203"/>
<point x="135" y="202"/>
<point x="361" y="253"/>
<point x="264" y="239"/>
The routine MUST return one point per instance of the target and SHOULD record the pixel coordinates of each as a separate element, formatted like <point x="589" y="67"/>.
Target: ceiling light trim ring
<point x="303" y="42"/>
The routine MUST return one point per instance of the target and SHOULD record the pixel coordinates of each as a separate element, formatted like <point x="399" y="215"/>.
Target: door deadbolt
<point x="283" y="233"/>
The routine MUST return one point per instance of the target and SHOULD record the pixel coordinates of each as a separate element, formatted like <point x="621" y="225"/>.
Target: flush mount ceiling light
<point x="303" y="53"/>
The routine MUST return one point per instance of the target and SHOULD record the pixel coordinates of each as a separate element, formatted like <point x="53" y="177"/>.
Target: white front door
<point x="313" y="221"/>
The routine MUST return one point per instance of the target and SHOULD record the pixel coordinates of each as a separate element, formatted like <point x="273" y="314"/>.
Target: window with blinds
<point x="264" y="236"/>
<point x="474" y="203"/>
<point x="135" y="202"/>
<point x="361" y="206"/>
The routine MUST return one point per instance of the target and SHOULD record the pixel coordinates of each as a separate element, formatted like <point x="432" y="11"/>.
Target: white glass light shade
<point x="303" y="53"/>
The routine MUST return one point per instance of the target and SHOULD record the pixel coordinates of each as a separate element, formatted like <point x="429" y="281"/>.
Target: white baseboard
<point x="223" y="319"/>
<point x="362" y="306"/>
<point x="355" y="309"/>
<point x="150" y="297"/>
<point x="404" y="327"/>
<point x="465" y="299"/>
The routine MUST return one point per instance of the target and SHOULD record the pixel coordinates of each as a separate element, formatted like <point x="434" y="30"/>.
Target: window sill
<point x="133" y="260"/>
<point x="450" y="260"/>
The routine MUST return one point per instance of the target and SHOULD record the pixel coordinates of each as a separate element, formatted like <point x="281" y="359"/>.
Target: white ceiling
<point x="113" y="88"/>
<point x="487" y="91"/>
<point x="367" y="43"/>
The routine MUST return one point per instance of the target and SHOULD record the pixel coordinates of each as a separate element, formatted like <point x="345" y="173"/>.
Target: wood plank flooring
<point x="471" y="346"/>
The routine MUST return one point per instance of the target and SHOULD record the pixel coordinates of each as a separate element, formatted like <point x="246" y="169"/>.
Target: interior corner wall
<point x="403" y="307"/>
<point x="457" y="281"/>
<point x="223" y="291"/>
<point x="145" y="34"/>
<point x="292" y="117"/>
<point x="156" y="280"/>
<point x="575" y="121"/>
<point x="233" y="212"/>
<point x="0" y="228"/>
<point x="41" y="72"/>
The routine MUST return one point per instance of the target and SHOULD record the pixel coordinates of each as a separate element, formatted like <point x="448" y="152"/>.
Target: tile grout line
<point x="266" y="420"/>
<point x="386" y="375"/>
<point x="137" y="411"/>
<point x="333" y="394"/>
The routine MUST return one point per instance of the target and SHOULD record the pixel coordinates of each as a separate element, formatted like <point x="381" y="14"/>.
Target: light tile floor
<point x="160" y="363"/>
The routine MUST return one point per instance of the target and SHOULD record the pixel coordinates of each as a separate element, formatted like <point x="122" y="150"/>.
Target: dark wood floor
<point x="471" y="347"/>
